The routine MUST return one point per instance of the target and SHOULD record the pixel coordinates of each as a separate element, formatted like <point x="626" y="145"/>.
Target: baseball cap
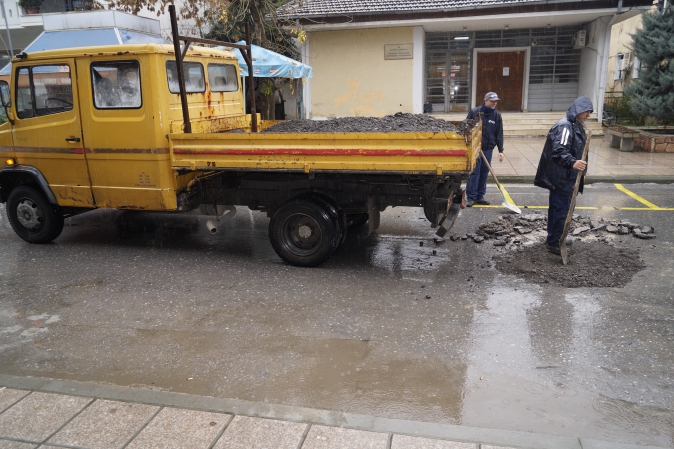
<point x="491" y="96"/>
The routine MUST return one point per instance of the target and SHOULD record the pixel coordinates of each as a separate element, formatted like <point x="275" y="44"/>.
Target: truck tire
<point x="338" y="217"/>
<point x="303" y="233"/>
<point x="32" y="217"/>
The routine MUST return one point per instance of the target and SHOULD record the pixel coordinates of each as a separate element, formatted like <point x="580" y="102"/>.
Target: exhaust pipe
<point x="222" y="213"/>
<point x="210" y="225"/>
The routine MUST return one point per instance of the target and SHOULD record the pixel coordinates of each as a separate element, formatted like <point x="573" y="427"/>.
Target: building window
<point x="636" y="67"/>
<point x="618" y="74"/>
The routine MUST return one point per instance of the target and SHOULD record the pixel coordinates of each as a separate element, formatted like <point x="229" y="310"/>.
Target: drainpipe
<point x="604" y="61"/>
<point x="9" y="36"/>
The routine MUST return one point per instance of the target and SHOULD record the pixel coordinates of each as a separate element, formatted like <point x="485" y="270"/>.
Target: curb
<point x="478" y="435"/>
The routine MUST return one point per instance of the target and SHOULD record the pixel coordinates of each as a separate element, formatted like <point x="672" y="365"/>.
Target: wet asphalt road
<point x="385" y="327"/>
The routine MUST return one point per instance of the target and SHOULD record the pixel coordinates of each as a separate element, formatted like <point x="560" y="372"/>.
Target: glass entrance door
<point x="458" y="82"/>
<point x="448" y="81"/>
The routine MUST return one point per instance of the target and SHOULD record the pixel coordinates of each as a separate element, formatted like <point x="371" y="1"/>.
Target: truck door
<point x="127" y="151"/>
<point x="47" y="131"/>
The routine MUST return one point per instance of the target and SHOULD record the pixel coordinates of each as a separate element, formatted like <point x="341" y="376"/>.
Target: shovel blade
<point x="511" y="206"/>
<point x="563" y="252"/>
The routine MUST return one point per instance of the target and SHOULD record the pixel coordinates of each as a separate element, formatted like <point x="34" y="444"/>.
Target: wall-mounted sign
<point x="506" y="71"/>
<point x="398" y="51"/>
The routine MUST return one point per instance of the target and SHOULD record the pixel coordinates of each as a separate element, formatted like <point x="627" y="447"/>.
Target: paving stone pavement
<point x="44" y="413"/>
<point x="605" y="164"/>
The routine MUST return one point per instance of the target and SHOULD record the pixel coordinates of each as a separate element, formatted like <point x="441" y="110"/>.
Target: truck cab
<point x="89" y="128"/>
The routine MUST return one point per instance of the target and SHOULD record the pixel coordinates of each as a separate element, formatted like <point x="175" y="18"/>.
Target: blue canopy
<point x="267" y="63"/>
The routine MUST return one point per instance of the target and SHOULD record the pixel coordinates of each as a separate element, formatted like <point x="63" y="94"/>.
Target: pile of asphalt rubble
<point x="526" y="230"/>
<point x="399" y="122"/>
<point x="595" y="259"/>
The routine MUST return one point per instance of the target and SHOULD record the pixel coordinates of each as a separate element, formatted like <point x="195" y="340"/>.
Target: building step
<point x="527" y="123"/>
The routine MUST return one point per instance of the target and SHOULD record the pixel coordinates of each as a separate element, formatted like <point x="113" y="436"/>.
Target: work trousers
<point x="558" y="208"/>
<point x="477" y="183"/>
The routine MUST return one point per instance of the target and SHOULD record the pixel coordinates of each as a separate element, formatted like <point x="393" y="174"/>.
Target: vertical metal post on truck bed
<point x="246" y="52"/>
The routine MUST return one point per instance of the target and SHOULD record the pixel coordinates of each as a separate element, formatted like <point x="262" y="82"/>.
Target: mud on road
<point x="595" y="258"/>
<point x="399" y="122"/>
<point x="595" y="264"/>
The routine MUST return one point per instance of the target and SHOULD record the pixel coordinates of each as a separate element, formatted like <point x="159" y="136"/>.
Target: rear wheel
<point x="32" y="217"/>
<point x="303" y="233"/>
<point x="338" y="217"/>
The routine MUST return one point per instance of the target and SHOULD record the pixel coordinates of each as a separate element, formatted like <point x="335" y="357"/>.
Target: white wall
<point x="593" y="62"/>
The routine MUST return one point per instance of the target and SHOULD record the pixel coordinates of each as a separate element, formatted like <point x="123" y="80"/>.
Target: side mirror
<point x="4" y="94"/>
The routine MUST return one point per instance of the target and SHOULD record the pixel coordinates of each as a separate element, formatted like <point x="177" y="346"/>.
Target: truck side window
<point x="223" y="78"/>
<point x="43" y="90"/>
<point x="116" y="84"/>
<point x="194" y="77"/>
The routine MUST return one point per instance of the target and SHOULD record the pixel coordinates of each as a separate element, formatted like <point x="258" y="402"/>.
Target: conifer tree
<point x="652" y="93"/>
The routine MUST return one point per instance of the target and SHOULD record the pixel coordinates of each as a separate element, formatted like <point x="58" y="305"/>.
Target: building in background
<point x="377" y="57"/>
<point x="623" y="65"/>
<point x="26" y="22"/>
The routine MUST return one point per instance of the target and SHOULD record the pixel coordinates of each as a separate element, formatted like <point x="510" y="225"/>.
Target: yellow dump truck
<point x="103" y="127"/>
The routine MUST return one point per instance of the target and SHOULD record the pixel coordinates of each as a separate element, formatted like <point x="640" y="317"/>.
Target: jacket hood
<point x="581" y="104"/>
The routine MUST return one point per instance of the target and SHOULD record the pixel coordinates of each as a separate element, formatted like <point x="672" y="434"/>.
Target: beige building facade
<point x="379" y="57"/>
<point x="623" y="65"/>
<point x="352" y="76"/>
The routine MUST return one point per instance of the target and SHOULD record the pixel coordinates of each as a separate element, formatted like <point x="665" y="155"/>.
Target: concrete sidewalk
<point x="44" y="413"/>
<point x="606" y="164"/>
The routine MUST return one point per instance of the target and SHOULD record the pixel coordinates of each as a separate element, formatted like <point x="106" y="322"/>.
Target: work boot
<point x="553" y="249"/>
<point x="469" y="202"/>
<point x="482" y="201"/>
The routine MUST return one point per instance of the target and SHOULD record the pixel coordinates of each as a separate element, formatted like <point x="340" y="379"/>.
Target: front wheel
<point x="32" y="217"/>
<point x="303" y="233"/>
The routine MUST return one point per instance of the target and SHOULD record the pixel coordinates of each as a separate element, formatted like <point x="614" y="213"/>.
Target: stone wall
<point x="655" y="143"/>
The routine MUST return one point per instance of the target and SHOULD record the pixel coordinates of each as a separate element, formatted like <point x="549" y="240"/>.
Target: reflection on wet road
<point x="394" y="325"/>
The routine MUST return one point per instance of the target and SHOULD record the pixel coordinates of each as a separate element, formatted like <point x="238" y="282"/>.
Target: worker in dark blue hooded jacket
<point x="559" y="165"/>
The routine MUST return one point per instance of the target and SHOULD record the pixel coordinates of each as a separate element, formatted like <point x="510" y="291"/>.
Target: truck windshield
<point x="43" y="90"/>
<point x="116" y="84"/>
<point x="194" y="77"/>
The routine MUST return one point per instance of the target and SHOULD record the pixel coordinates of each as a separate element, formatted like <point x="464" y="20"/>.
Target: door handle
<point x="72" y="139"/>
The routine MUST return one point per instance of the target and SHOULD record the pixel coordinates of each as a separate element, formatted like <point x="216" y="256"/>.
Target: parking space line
<point x="496" y="206"/>
<point x="647" y="208"/>
<point x="650" y="205"/>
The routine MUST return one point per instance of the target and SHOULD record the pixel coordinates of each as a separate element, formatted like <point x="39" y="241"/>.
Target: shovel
<point x="505" y="202"/>
<point x="569" y="215"/>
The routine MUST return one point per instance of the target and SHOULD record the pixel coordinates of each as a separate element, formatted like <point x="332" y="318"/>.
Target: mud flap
<point x="448" y="219"/>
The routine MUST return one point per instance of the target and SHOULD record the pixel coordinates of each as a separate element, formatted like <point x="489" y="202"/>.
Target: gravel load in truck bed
<point x="398" y="122"/>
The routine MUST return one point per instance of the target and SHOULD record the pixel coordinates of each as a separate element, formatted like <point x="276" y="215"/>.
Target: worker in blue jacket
<point x="492" y="136"/>
<point x="559" y="165"/>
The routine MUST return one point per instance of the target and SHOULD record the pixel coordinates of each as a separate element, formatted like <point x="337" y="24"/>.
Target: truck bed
<point x="414" y="153"/>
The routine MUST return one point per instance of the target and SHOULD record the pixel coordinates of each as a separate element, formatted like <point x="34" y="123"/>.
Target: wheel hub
<point x="304" y="231"/>
<point x="302" y="235"/>
<point x="29" y="214"/>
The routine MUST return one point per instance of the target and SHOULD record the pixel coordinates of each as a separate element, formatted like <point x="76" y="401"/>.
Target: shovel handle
<point x="484" y="158"/>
